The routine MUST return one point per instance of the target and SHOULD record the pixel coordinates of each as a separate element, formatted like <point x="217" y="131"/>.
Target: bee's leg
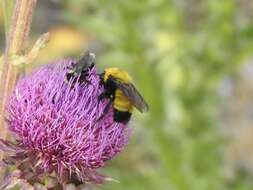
<point x="69" y="75"/>
<point x="101" y="78"/>
<point x="102" y="96"/>
<point x="107" y="107"/>
<point x="85" y="81"/>
<point x="86" y="74"/>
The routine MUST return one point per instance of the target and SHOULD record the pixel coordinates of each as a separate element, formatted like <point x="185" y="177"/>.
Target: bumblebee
<point x="79" y="70"/>
<point x="122" y="94"/>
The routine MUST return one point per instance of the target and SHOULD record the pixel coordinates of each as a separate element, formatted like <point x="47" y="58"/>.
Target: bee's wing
<point x="80" y="67"/>
<point x="86" y="61"/>
<point x="132" y="93"/>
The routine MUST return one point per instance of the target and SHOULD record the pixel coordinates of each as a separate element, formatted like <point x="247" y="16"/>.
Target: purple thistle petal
<point x="56" y="123"/>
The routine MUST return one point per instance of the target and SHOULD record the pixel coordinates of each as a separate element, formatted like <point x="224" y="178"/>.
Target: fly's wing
<point x="134" y="96"/>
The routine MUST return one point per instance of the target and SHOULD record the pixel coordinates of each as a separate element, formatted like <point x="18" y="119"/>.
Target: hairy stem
<point x="18" y="33"/>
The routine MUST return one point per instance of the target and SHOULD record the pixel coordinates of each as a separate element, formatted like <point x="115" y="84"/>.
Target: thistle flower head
<point x="56" y="127"/>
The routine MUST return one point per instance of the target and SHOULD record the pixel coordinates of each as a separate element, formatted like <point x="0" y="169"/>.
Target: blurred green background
<point x="193" y="62"/>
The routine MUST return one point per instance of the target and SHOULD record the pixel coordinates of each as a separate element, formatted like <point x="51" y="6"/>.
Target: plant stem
<point x="18" y="33"/>
<point x="7" y="9"/>
<point x="7" y="6"/>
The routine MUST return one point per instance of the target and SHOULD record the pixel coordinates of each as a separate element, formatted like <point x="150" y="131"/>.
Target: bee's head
<point x="91" y="59"/>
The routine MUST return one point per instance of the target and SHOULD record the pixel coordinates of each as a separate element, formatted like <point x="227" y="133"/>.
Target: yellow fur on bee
<point x="122" y="103"/>
<point x="123" y="76"/>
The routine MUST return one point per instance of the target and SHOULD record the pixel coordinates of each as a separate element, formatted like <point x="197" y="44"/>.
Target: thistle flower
<point x="56" y="128"/>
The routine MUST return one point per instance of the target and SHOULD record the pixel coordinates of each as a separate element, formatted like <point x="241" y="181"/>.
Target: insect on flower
<point x="121" y="92"/>
<point x="78" y="71"/>
<point x="55" y="126"/>
<point x="118" y="88"/>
